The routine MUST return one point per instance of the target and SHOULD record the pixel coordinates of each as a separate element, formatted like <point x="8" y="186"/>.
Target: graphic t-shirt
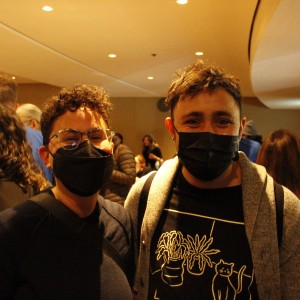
<point x="200" y="249"/>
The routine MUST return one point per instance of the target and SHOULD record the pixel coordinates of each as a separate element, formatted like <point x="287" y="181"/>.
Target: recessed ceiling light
<point x="47" y="8"/>
<point x="13" y="77"/>
<point x="182" y="1"/>
<point x="112" y="55"/>
<point x="150" y="77"/>
<point x="199" y="53"/>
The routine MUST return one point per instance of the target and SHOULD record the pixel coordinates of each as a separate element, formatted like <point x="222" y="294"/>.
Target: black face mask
<point x="83" y="170"/>
<point x="206" y="155"/>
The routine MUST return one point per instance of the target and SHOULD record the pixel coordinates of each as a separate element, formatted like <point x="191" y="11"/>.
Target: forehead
<point x="82" y="120"/>
<point x="207" y="103"/>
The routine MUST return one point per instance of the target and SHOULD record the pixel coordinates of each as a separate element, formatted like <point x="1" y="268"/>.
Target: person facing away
<point x="20" y="177"/>
<point x="30" y="115"/>
<point x="8" y="97"/>
<point x="152" y="152"/>
<point x="250" y="141"/>
<point x="280" y="155"/>
<point x="209" y="227"/>
<point x="123" y="175"/>
<point x="68" y="242"/>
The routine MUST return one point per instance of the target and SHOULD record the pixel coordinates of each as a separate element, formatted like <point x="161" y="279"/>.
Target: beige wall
<point x="134" y="117"/>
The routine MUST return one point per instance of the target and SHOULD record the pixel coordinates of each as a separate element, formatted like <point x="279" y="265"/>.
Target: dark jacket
<point x="54" y="254"/>
<point x="123" y="176"/>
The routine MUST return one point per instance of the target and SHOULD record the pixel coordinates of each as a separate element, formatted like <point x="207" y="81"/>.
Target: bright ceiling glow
<point x="150" y="77"/>
<point x="13" y="77"/>
<point x="182" y="1"/>
<point x="199" y="53"/>
<point x="112" y="55"/>
<point x="47" y="8"/>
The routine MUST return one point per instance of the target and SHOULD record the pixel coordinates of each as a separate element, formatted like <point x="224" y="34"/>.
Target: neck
<point x="81" y="206"/>
<point x="230" y="177"/>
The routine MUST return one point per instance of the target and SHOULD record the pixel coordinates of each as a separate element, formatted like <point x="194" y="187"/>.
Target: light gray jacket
<point x="277" y="274"/>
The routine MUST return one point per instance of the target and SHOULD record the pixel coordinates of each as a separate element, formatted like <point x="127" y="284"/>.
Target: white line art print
<point x="180" y="255"/>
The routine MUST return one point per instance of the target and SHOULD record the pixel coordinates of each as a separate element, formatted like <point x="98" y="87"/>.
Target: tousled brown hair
<point x="198" y="78"/>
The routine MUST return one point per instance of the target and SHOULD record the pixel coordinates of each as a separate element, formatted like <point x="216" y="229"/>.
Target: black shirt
<point x="200" y="249"/>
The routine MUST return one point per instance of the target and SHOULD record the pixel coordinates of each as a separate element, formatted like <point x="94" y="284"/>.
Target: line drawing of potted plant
<point x="172" y="247"/>
<point x="198" y="254"/>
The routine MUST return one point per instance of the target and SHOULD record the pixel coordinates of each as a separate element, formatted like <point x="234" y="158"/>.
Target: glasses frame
<point x="105" y="130"/>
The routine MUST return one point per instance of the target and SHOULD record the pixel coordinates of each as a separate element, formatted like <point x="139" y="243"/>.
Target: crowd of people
<point x="83" y="217"/>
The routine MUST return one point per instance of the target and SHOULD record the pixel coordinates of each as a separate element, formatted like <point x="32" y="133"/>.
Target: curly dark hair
<point x="198" y="78"/>
<point x="91" y="96"/>
<point x="16" y="160"/>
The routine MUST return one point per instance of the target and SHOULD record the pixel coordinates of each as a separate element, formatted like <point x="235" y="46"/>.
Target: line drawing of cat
<point x="222" y="287"/>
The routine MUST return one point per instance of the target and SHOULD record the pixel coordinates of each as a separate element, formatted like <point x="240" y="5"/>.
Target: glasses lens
<point x="69" y="138"/>
<point x="98" y="135"/>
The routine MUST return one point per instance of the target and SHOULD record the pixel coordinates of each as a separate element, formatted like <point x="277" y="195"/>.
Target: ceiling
<point x="153" y="38"/>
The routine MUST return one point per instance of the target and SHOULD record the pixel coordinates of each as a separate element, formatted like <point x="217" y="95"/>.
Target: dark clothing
<point x="151" y="162"/>
<point x="250" y="148"/>
<point x="47" y="256"/>
<point x="12" y="194"/>
<point x="209" y="260"/>
<point x="123" y="175"/>
<point x="143" y="172"/>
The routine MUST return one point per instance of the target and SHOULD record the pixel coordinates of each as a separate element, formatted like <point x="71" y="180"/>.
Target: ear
<point x="45" y="156"/>
<point x="243" y="123"/>
<point x="170" y="127"/>
<point x="34" y="124"/>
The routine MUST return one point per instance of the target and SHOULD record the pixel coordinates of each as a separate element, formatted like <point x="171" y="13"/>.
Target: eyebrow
<point x="215" y="114"/>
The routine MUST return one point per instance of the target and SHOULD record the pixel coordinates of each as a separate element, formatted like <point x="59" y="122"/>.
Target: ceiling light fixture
<point x="199" y="53"/>
<point x="47" y="8"/>
<point x="112" y="55"/>
<point x="181" y="2"/>
<point x="150" y="77"/>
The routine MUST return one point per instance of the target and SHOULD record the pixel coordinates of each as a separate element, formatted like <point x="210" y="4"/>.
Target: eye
<point x="193" y="122"/>
<point x="223" y="122"/>
<point x="96" y="136"/>
<point x="70" y="138"/>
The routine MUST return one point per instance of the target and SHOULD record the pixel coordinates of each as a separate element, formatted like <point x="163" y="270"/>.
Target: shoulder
<point x="160" y="185"/>
<point x="18" y="223"/>
<point x="124" y="149"/>
<point x="116" y="224"/>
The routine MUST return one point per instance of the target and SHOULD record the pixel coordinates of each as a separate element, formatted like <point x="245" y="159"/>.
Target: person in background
<point x="280" y="155"/>
<point x="68" y="242"/>
<point x="30" y="115"/>
<point x="140" y="166"/>
<point x="8" y="92"/>
<point x="123" y="175"/>
<point x="8" y="97"/>
<point x="250" y="141"/>
<point x="152" y="152"/>
<point x="209" y="228"/>
<point x="20" y="177"/>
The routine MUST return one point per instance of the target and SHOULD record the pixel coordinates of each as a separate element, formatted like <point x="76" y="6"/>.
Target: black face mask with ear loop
<point x="207" y="155"/>
<point x="84" y="170"/>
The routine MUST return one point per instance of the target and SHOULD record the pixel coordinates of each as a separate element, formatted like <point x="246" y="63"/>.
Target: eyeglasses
<point x="69" y="139"/>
